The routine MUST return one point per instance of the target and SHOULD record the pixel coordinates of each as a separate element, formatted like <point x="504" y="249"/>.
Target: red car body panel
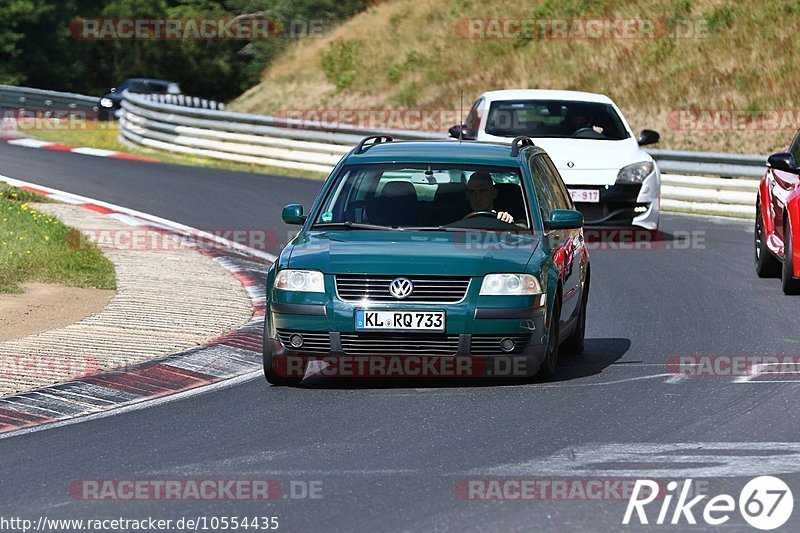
<point x="793" y="210"/>
<point x="779" y="200"/>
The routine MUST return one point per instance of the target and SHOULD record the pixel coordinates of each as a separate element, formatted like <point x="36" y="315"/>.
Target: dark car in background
<point x="111" y="102"/>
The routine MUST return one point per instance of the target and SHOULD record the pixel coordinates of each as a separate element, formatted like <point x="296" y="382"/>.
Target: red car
<point x="777" y="231"/>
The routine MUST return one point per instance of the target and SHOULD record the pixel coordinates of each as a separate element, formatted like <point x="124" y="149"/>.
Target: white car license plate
<point x="400" y="320"/>
<point x="591" y="196"/>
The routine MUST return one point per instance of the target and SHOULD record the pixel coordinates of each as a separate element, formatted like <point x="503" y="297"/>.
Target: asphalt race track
<point x="390" y="455"/>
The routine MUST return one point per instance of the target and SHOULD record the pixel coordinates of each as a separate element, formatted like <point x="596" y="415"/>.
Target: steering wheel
<point x="583" y="131"/>
<point x="482" y="214"/>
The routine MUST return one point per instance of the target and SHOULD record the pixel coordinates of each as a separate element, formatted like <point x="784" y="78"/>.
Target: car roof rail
<point x="520" y="142"/>
<point x="377" y="139"/>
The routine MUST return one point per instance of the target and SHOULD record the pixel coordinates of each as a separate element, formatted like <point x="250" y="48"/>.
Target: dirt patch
<point x="45" y="306"/>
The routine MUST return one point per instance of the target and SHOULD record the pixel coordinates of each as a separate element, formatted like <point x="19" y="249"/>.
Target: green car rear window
<point x="421" y="195"/>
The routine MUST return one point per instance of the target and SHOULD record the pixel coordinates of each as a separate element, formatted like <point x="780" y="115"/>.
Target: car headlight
<point x="510" y="284"/>
<point x="106" y="102"/>
<point x="635" y="173"/>
<point x="300" y="280"/>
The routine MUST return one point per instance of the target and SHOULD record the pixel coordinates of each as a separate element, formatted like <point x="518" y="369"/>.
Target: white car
<point x="613" y="182"/>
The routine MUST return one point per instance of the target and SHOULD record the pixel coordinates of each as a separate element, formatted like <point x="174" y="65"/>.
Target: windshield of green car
<point x="426" y="196"/>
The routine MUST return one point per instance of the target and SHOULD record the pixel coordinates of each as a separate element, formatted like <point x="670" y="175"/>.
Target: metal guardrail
<point x="184" y="100"/>
<point x="27" y="98"/>
<point x="715" y="164"/>
<point x="163" y="123"/>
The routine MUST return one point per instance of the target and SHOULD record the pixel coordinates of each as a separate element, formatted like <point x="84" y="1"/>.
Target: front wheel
<point x="790" y="284"/>
<point x="547" y="370"/>
<point x="575" y="344"/>
<point x="766" y="264"/>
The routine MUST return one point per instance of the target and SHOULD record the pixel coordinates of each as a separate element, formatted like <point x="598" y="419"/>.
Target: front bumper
<point x="338" y="363"/>
<point x="623" y="204"/>
<point x="475" y="328"/>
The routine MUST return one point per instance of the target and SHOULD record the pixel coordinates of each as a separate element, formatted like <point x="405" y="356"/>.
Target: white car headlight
<point x="510" y="284"/>
<point x="635" y="173"/>
<point x="106" y="102"/>
<point x="300" y="280"/>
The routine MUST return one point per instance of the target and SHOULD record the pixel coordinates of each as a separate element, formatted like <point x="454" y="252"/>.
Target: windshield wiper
<point x="432" y="228"/>
<point x="520" y="231"/>
<point x="350" y="225"/>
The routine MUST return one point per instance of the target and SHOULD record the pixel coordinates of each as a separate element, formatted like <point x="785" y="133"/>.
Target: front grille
<point x="433" y="289"/>
<point x="386" y="344"/>
<point x="490" y="344"/>
<point x="313" y="341"/>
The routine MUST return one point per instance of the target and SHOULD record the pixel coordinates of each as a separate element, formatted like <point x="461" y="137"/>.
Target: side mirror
<point x="456" y="130"/>
<point x="293" y="214"/>
<point x="462" y="129"/>
<point x="648" y="137"/>
<point x="564" y="219"/>
<point x="783" y="161"/>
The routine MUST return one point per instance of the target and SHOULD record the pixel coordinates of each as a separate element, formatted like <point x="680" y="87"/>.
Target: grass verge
<point x="105" y="135"/>
<point x="37" y="247"/>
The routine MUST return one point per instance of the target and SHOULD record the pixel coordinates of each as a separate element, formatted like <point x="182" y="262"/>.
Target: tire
<point x="767" y="266"/>
<point x="789" y="283"/>
<point x="575" y="344"/>
<point x="547" y="370"/>
<point x="269" y="372"/>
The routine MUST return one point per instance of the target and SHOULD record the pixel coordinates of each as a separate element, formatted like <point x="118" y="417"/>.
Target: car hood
<point x="591" y="154"/>
<point x="412" y="252"/>
<point x="589" y="161"/>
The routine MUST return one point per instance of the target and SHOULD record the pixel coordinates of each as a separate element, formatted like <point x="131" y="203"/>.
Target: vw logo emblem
<point x="570" y="164"/>
<point x="401" y="288"/>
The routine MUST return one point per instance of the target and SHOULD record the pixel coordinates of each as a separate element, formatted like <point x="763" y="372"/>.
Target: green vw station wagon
<point x="470" y="255"/>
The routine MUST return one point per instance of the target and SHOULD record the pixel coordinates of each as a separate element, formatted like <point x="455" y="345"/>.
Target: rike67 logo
<point x="765" y="503"/>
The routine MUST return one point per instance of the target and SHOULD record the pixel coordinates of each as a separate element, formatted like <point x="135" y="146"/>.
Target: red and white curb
<point x="231" y="357"/>
<point x="98" y="152"/>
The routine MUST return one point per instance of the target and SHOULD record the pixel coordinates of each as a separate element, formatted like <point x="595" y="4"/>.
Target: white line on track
<point x="560" y="385"/>
<point x="614" y="382"/>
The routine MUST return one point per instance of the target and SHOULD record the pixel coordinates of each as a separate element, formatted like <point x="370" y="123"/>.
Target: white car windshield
<point x="555" y="118"/>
